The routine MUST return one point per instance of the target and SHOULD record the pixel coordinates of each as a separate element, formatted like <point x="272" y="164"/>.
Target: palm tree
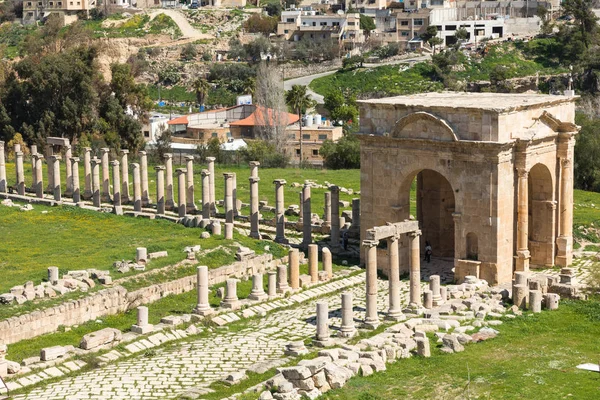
<point x="249" y="85"/>
<point x="201" y="86"/>
<point x="298" y="100"/>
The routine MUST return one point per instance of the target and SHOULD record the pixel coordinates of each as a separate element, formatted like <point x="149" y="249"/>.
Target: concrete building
<point x="154" y="127"/>
<point x="312" y="140"/>
<point x="494" y="177"/>
<point x="34" y="10"/>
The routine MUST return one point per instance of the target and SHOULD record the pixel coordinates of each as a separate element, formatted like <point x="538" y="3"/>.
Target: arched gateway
<point x="493" y="171"/>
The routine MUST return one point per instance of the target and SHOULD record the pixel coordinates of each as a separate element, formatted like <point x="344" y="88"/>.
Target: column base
<point x="414" y="309"/>
<point x="395" y="315"/>
<point x="124" y="199"/>
<point x="105" y="198"/>
<point x="324" y="342"/>
<point x="371" y="323"/>
<point x="69" y="193"/>
<point x="142" y="330"/>
<point x="284" y="289"/>
<point x="258" y="296"/>
<point x="564" y="246"/>
<point x="255" y="235"/>
<point x="231" y="304"/>
<point x="170" y="206"/>
<point x="347" y="332"/>
<point x="203" y="310"/>
<point x="281" y="240"/>
<point x="438" y="301"/>
<point x="522" y="260"/>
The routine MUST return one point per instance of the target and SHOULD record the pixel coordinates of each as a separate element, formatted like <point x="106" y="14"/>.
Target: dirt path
<point x="189" y="32"/>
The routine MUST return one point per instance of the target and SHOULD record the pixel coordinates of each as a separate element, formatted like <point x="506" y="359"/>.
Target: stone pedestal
<point x="216" y="228"/>
<point x="520" y="294"/>
<point x="95" y="164"/>
<point x="142" y="327"/>
<point x="280" y="211"/>
<point x="427" y="299"/>
<point x="125" y="197"/>
<point x="137" y="187"/>
<point x="294" y="260"/>
<point x="282" y="284"/>
<point x="141" y="255"/>
<point x="551" y="301"/>
<point x="191" y="204"/>
<point x="327" y="263"/>
<point x="160" y="189"/>
<point x="56" y="173"/>
<point x="203" y="306"/>
<point x="205" y="174"/>
<point x="313" y="262"/>
<point x="347" y="329"/>
<point x="306" y="216"/>
<point x="116" y="175"/>
<point x="535" y="301"/>
<point x="53" y="275"/>
<point x="20" y="172"/>
<point x="181" y="191"/>
<point x="371" y="317"/>
<point x="335" y="216"/>
<point x="434" y="286"/>
<point x="323" y="337"/>
<point x="228" y="201"/>
<point x="105" y="194"/>
<point x="231" y="300"/>
<point x="257" y="293"/>
<point x="144" y="175"/>
<point x="272" y="284"/>
<point x="254" y="214"/>
<point x="169" y="196"/>
<point x="3" y="183"/>
<point x="229" y="230"/>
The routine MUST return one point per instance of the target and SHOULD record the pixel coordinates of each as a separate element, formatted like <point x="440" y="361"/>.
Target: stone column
<point x="203" y="306"/>
<point x="335" y="216"/>
<point x="434" y="287"/>
<point x="307" y="215"/>
<point x="356" y="215"/>
<point x="551" y="300"/>
<point x="313" y="262"/>
<point x="56" y="172"/>
<point x="272" y="287"/>
<point x="322" y="322"/>
<point x="69" y="168"/>
<point x="52" y="274"/>
<point x="347" y="329"/>
<point x="3" y="184"/>
<point x="228" y="200"/>
<point x="144" y="175"/>
<point x="394" y="311"/>
<point x="21" y="173"/>
<point x="294" y="260"/>
<point x="254" y="215"/>
<point x="33" y="154"/>
<point x="105" y="196"/>
<point x="181" y="174"/>
<point x="327" y="210"/>
<point x="257" y="293"/>
<point x="235" y="206"/>
<point x="282" y="283"/>
<point x="564" y="242"/>
<point x="3" y="180"/>
<point x="125" y="198"/>
<point x="327" y="263"/>
<point x="254" y="168"/>
<point x="39" y="176"/>
<point x="95" y="165"/>
<point x="137" y="187"/>
<point x="301" y="213"/>
<point x="169" y="202"/>
<point x="371" y="317"/>
<point x="191" y="204"/>
<point x="523" y="254"/>
<point x="211" y="180"/>
<point x="205" y="194"/>
<point x="229" y="230"/>
<point x="280" y="211"/>
<point x="142" y="327"/>
<point x="160" y="189"/>
<point x="231" y="299"/>
<point x="116" y="175"/>
<point x="415" y="270"/>
<point x="427" y="299"/>
<point x="535" y="301"/>
<point x="49" y="154"/>
<point x="75" y="179"/>
<point x="520" y="294"/>
<point x="87" y="173"/>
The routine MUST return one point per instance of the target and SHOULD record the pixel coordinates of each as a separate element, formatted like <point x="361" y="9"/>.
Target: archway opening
<point x="472" y="246"/>
<point x="541" y="219"/>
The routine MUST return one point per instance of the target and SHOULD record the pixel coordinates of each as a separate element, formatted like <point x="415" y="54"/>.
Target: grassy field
<point x="534" y="357"/>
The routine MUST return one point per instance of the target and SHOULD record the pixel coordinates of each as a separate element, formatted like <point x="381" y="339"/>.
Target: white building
<point x="153" y="128"/>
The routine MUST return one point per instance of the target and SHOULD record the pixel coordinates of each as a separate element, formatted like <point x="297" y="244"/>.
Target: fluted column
<point x="228" y="200"/>
<point x="3" y="184"/>
<point x="87" y="173"/>
<point x="523" y="254"/>
<point x="280" y="211"/>
<point x="125" y="197"/>
<point x="137" y="187"/>
<point x="205" y="194"/>
<point x="211" y="181"/>
<point x="181" y="190"/>
<point x="116" y="175"/>
<point x="335" y="216"/>
<point x="415" y="269"/>
<point x="69" y="170"/>
<point x="394" y="310"/>
<point x="160" y="189"/>
<point x="564" y="243"/>
<point x="169" y="202"/>
<point x="56" y="173"/>
<point x="105" y="196"/>
<point x="371" y="317"/>
<point x="20" y="173"/>
<point x="306" y="215"/>
<point x="95" y="165"/>
<point x="254" y="214"/>
<point x="39" y="176"/>
<point x="144" y="175"/>
<point x="191" y="203"/>
<point x="75" y="179"/>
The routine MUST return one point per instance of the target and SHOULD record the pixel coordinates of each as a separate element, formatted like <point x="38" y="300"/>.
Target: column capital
<point x="95" y="160"/>
<point x="180" y="171"/>
<point x="141" y="153"/>
<point x="228" y="175"/>
<point x="73" y="159"/>
<point x="189" y="158"/>
<point x="18" y="154"/>
<point x="334" y="188"/>
<point x="306" y="185"/>
<point x="522" y="172"/>
<point x="160" y="168"/>
<point x="565" y="162"/>
<point x="254" y="164"/>
<point x="415" y="234"/>
<point x="204" y="172"/>
<point x="254" y="179"/>
<point x="105" y="150"/>
<point x="456" y="216"/>
<point x="210" y="159"/>
<point x="280" y="182"/>
<point x="394" y="238"/>
<point x="54" y="157"/>
<point x="369" y="243"/>
<point x="39" y="156"/>
<point x="167" y="156"/>
<point x="122" y="151"/>
<point x="132" y="165"/>
<point x="114" y="163"/>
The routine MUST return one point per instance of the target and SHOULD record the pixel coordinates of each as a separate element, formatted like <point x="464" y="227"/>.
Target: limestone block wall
<point x="116" y="300"/>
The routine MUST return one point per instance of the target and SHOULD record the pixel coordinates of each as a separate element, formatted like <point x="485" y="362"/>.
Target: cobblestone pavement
<point x="165" y="373"/>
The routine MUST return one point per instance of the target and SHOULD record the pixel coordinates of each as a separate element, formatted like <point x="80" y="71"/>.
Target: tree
<point x="201" y="87"/>
<point x="461" y="34"/>
<point x="271" y="113"/>
<point x="259" y="23"/>
<point x="162" y="145"/>
<point x="585" y="19"/>
<point x="189" y="52"/>
<point x="298" y="100"/>
<point x="341" y="108"/>
<point x="430" y="36"/>
<point x="256" y="48"/>
<point x="353" y="62"/>
<point x="435" y="41"/>
<point x="367" y="24"/>
<point x="343" y="154"/>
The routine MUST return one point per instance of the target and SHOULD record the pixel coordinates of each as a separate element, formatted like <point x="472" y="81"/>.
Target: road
<point x="188" y="31"/>
<point x="306" y="80"/>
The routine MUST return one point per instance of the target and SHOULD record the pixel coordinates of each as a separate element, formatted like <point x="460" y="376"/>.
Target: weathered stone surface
<point x="295" y="373"/>
<point x="99" y="338"/>
<point x="451" y="342"/>
<point x="52" y="353"/>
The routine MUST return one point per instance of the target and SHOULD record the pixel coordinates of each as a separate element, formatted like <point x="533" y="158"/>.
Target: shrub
<point x="344" y="154"/>
<point x="265" y="153"/>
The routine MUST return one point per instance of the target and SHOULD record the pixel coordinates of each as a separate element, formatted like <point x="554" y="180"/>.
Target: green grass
<point x="534" y="357"/>
<point x="138" y="25"/>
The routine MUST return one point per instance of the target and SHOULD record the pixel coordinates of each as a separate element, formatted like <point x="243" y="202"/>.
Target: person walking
<point x="428" y="251"/>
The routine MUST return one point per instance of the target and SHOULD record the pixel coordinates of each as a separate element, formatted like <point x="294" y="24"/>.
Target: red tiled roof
<point x="183" y="120"/>
<point x="257" y="118"/>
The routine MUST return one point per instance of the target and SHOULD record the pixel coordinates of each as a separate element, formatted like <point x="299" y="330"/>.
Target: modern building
<point x="312" y="140"/>
<point x="34" y="10"/>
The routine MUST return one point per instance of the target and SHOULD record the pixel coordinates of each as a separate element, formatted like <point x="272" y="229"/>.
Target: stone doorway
<point x="542" y="210"/>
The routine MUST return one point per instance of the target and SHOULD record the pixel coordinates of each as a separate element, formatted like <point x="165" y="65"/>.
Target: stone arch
<point x="542" y="210"/>
<point x="423" y="125"/>
<point x="472" y="246"/>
